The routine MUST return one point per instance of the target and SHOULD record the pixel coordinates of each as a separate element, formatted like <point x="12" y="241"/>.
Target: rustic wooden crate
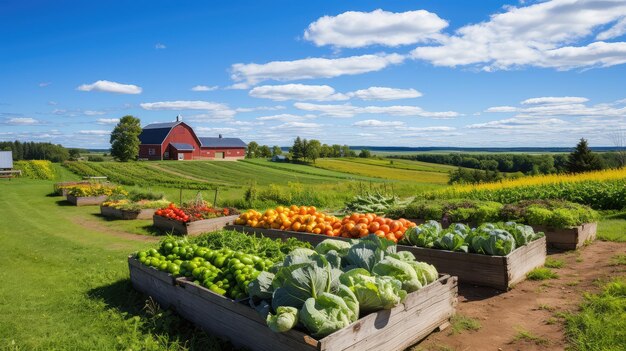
<point x="423" y="312"/>
<point x="569" y="238"/>
<point x="86" y="200"/>
<point x="151" y="281"/>
<point x="192" y="228"/>
<point x="111" y="212"/>
<point x="500" y="272"/>
<point x="559" y="238"/>
<point x="63" y="191"/>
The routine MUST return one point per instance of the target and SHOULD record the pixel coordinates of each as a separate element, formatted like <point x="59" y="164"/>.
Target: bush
<point x="95" y="158"/>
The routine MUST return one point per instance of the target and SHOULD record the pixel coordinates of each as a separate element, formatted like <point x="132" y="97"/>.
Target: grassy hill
<point x="328" y="183"/>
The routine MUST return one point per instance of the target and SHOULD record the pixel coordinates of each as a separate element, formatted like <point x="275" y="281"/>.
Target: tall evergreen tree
<point x="582" y="159"/>
<point x="125" y="139"/>
<point x="297" y="151"/>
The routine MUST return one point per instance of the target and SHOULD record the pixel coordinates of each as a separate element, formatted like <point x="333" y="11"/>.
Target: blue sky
<point x="393" y="73"/>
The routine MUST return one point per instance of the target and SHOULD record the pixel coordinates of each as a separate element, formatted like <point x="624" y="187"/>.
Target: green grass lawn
<point x="66" y="287"/>
<point x="612" y="228"/>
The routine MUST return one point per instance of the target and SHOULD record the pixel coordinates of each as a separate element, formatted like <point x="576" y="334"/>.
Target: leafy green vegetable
<point x="261" y="287"/>
<point x="296" y="283"/>
<point x="327" y="245"/>
<point x="426" y="273"/>
<point x="373" y="292"/>
<point x="423" y="235"/>
<point x="286" y="318"/>
<point x="452" y="241"/>
<point x="328" y="312"/>
<point x="400" y="270"/>
<point x="492" y="241"/>
<point x="369" y="251"/>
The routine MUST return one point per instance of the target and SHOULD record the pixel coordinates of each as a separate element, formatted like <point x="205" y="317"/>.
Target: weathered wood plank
<point x="569" y="238"/>
<point x="524" y="259"/>
<point x="421" y="313"/>
<point x="111" y="212"/>
<point x="192" y="228"/>
<point x="151" y="281"/>
<point x="86" y="200"/>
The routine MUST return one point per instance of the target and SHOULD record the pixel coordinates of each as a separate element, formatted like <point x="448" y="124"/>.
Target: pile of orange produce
<point x="307" y="219"/>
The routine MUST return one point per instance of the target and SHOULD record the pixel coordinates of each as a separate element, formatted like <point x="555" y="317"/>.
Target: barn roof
<point x="155" y="133"/>
<point x="182" y="146"/>
<point x="222" y="142"/>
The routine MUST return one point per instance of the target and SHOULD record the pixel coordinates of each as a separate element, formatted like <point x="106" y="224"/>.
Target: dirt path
<point x="532" y="306"/>
<point x="97" y="225"/>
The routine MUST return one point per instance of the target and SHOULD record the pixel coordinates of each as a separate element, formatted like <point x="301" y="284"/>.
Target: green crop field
<point x="328" y="187"/>
<point x="403" y="164"/>
<point x="383" y="171"/>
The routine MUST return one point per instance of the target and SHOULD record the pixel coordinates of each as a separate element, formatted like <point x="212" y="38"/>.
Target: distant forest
<point x="510" y="163"/>
<point x="35" y="151"/>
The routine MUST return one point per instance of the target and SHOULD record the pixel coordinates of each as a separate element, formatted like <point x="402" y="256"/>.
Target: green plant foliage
<point x="541" y="273"/>
<point x="36" y="169"/>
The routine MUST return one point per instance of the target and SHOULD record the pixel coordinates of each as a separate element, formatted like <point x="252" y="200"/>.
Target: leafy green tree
<point x="74" y="153"/>
<point x="125" y="139"/>
<point x="276" y="150"/>
<point x="297" y="150"/>
<point x="265" y="151"/>
<point x="365" y="153"/>
<point x="313" y="150"/>
<point x="582" y="159"/>
<point x="336" y="150"/>
<point x="346" y="152"/>
<point x="253" y="150"/>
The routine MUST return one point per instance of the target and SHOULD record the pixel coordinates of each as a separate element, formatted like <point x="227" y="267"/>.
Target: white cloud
<point x="108" y="120"/>
<point x="536" y="35"/>
<point x="93" y="113"/>
<point x="378" y="123"/>
<point x="384" y="93"/>
<point x="347" y="110"/>
<point x="561" y="107"/>
<point x="297" y="92"/>
<point x="160" y="46"/>
<point x="310" y="68"/>
<point x="498" y="109"/>
<point x="94" y="132"/>
<point x="286" y="117"/>
<point x="430" y="129"/>
<point x="52" y="103"/>
<point x="297" y="125"/>
<point x="260" y="108"/>
<point x="617" y="30"/>
<point x="111" y="87"/>
<point x="515" y="123"/>
<point x="214" y="110"/>
<point x="213" y="130"/>
<point x="204" y="88"/>
<point x="44" y="84"/>
<point x="550" y="100"/>
<point x="355" y="29"/>
<point x="22" y="121"/>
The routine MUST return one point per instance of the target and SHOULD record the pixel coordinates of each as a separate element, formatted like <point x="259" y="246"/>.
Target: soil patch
<point x="527" y="317"/>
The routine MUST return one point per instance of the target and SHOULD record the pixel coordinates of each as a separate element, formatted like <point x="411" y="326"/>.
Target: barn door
<point x="219" y="155"/>
<point x="181" y="156"/>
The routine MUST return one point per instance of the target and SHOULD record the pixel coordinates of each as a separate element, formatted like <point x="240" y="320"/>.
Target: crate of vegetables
<point x="132" y="206"/>
<point x="495" y="255"/>
<point x="340" y="296"/>
<point x="60" y="188"/>
<point x="307" y="224"/>
<point x="193" y="219"/>
<point x="92" y="194"/>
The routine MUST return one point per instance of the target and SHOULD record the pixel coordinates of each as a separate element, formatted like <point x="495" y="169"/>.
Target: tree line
<point x="303" y="150"/>
<point x="525" y="163"/>
<point x="35" y="151"/>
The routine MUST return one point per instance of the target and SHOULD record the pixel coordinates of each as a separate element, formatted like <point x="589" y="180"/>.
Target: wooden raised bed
<point x="63" y="191"/>
<point x="86" y="200"/>
<point x="111" y="212"/>
<point x="559" y="238"/>
<point x="569" y="238"/>
<point x="423" y="311"/>
<point x="192" y="228"/>
<point x="500" y="272"/>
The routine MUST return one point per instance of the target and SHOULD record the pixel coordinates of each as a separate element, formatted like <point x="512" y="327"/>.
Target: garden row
<point x="267" y="294"/>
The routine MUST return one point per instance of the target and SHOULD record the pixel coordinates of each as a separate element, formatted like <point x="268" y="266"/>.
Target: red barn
<point x="178" y="141"/>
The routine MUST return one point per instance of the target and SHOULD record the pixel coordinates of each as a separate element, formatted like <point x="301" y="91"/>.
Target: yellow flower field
<point x="604" y="175"/>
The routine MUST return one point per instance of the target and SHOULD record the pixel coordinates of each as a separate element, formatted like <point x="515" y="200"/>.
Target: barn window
<point x="151" y="151"/>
